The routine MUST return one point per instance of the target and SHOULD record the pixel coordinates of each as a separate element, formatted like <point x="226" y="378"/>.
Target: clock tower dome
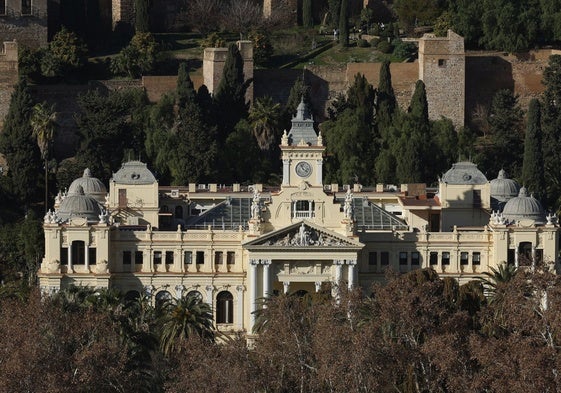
<point x="302" y="151"/>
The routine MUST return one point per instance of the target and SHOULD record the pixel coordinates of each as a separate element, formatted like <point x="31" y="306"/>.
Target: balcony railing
<point x="304" y="214"/>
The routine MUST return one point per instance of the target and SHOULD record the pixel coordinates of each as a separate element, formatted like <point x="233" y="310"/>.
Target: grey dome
<point x="134" y="172"/>
<point x="464" y="172"/>
<point x="91" y="186"/>
<point x="77" y="204"/>
<point x="524" y="207"/>
<point x="302" y="126"/>
<point x="503" y="188"/>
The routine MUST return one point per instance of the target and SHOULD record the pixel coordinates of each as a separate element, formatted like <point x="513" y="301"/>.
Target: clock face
<point x="303" y="169"/>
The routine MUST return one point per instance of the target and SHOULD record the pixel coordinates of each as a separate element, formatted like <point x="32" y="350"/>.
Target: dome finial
<point x="87" y="173"/>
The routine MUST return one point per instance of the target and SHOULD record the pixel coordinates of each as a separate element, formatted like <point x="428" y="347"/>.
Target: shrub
<point x="384" y="46"/>
<point x="66" y="53"/>
<point x="262" y="48"/>
<point x="403" y="50"/>
<point x="362" y="43"/>
<point x="374" y="42"/>
<point x="138" y="58"/>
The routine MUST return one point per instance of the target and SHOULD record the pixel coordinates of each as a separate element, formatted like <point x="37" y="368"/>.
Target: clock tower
<point x="302" y="152"/>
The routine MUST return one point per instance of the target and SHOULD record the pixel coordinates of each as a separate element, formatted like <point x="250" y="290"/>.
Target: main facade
<point x="234" y="245"/>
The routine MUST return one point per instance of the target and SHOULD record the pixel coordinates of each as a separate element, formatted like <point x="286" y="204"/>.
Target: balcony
<point x="303" y="214"/>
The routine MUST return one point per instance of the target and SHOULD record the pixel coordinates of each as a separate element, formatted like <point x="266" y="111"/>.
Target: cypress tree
<point x="307" y="16"/>
<point x="386" y="96"/>
<point x="19" y="147"/>
<point x="142" y="16"/>
<point x="344" y="24"/>
<point x="185" y="90"/>
<point x="533" y="165"/>
<point x="419" y="107"/>
<point x="229" y="97"/>
<point x="334" y="11"/>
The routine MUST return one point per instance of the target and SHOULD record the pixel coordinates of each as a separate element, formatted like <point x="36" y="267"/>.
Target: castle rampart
<point x="24" y="21"/>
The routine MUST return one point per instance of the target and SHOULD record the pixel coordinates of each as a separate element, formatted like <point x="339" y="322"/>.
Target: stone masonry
<point x="8" y="76"/>
<point x="123" y="12"/>
<point x="213" y="65"/>
<point x="442" y="67"/>
<point x="24" y="21"/>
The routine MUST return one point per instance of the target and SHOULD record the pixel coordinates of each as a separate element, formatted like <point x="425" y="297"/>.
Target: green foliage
<point x="185" y="90"/>
<point x="138" y="58"/>
<point x="29" y="63"/>
<point x="403" y="50"/>
<point x="229" y="96"/>
<point x="307" y="15"/>
<point x="412" y="13"/>
<point x="213" y="40"/>
<point x="66" y="53"/>
<point x="384" y="46"/>
<point x="142" y="15"/>
<point x="298" y="92"/>
<point x="262" y="47"/>
<point x="362" y="43"/>
<point x="443" y="24"/>
<point x="265" y="117"/>
<point x="241" y="151"/>
<point x="109" y="124"/>
<point x="19" y="148"/>
<point x="344" y="24"/>
<point x="334" y="12"/>
<point x="533" y="164"/>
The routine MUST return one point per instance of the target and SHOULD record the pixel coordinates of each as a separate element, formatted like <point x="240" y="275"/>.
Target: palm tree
<point x="265" y="117"/>
<point x="184" y="318"/>
<point x="43" y="124"/>
<point x="496" y="277"/>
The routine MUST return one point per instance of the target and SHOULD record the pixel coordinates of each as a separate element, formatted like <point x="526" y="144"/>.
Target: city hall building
<point x="234" y="245"/>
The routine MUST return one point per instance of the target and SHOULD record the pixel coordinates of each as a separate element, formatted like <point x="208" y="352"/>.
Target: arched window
<point x="164" y="209"/>
<point x="179" y="212"/>
<point x="224" y="307"/>
<point x="195" y="294"/>
<point x="162" y="297"/>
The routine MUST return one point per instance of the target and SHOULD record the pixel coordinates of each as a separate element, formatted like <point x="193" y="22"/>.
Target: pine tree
<point x="229" y="97"/>
<point x="185" y="89"/>
<point x="533" y="165"/>
<point x="344" y="24"/>
<point x="19" y="148"/>
<point x="307" y="16"/>
<point x="142" y="16"/>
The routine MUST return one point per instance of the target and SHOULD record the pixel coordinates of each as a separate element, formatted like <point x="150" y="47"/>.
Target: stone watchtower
<point x="213" y="66"/>
<point x="442" y="67"/>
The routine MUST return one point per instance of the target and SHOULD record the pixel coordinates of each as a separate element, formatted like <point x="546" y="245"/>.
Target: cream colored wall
<point x="142" y="202"/>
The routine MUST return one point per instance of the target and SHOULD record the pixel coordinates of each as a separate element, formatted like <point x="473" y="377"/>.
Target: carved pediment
<point x="304" y="234"/>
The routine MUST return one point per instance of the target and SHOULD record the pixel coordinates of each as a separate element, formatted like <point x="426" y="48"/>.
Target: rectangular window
<point x="433" y="258"/>
<point x="2" y="7"/>
<point x="169" y="257"/>
<point x="127" y="257"/>
<point x="231" y="258"/>
<point x="187" y="257"/>
<point x="539" y="255"/>
<point x="403" y="258"/>
<point x="157" y="257"/>
<point x="510" y="257"/>
<point x="64" y="256"/>
<point x="373" y="258"/>
<point x="218" y="257"/>
<point x="138" y="257"/>
<point x="92" y="255"/>
<point x="445" y="258"/>
<point x="476" y="198"/>
<point x="464" y="258"/>
<point x="200" y="257"/>
<point x="26" y="7"/>
<point x="442" y="62"/>
<point x="415" y="258"/>
<point x="385" y="258"/>
<point x="476" y="258"/>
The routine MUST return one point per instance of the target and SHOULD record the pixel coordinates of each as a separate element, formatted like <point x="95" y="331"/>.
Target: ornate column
<point x="252" y="291"/>
<point x="266" y="279"/>
<point x="239" y="317"/>
<point x="286" y="172"/>
<point x="209" y="292"/>
<point x="286" y="286"/>
<point x="318" y="286"/>
<point x="338" y="270"/>
<point x="516" y="257"/>
<point x="319" y="171"/>
<point x="69" y="253"/>
<point x="352" y="273"/>
<point x="179" y="291"/>
<point x="87" y="256"/>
